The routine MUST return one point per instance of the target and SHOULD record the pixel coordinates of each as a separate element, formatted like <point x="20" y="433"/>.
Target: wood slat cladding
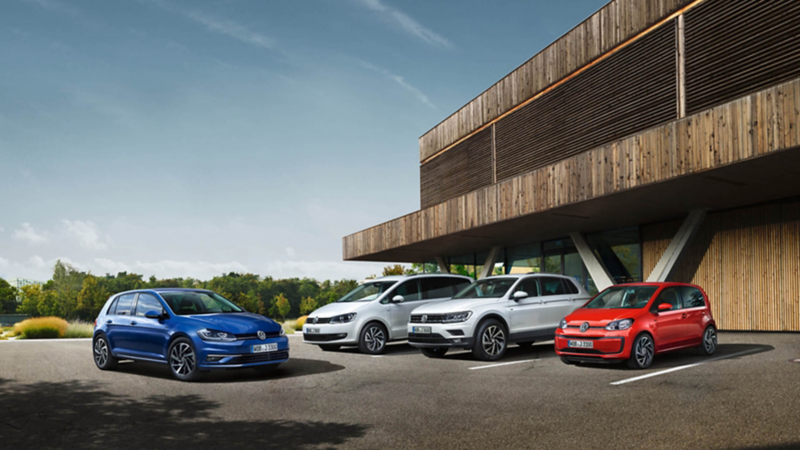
<point x="612" y="25"/>
<point x="466" y="168"/>
<point x="737" y="47"/>
<point x="758" y="124"/>
<point x="632" y="90"/>
<point x="745" y="259"/>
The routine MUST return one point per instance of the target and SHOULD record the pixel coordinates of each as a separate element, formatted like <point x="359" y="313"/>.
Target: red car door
<point x="670" y="324"/>
<point x="694" y="306"/>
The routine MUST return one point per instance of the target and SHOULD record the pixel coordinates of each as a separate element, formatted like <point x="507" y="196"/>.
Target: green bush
<point x="41" y="328"/>
<point x="79" y="329"/>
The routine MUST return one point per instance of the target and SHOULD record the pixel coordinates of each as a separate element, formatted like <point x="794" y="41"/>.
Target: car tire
<point x="491" y="340"/>
<point x="373" y="339"/>
<point x="642" y="352"/>
<point x="182" y="360"/>
<point x="101" y="350"/>
<point x="526" y="344"/>
<point x="435" y="352"/>
<point x="330" y="347"/>
<point x="708" y="345"/>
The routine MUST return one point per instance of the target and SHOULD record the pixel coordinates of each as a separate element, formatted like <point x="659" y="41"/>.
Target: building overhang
<point x="739" y="153"/>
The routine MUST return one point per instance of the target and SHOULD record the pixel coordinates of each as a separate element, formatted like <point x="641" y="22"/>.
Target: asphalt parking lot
<point x="747" y="396"/>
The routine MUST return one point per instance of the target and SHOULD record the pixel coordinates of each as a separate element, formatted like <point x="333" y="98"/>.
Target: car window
<point x="551" y="286"/>
<point x="493" y="287"/>
<point x="112" y="307"/>
<point x="184" y="303"/>
<point x="146" y="303"/>
<point x="436" y="287"/>
<point x="459" y="284"/>
<point x="124" y="304"/>
<point x="692" y="297"/>
<point x="409" y="290"/>
<point x="569" y="286"/>
<point x="626" y="296"/>
<point x="530" y="286"/>
<point x="670" y="296"/>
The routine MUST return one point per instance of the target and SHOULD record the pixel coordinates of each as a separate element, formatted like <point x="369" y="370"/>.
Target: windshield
<point x="623" y="297"/>
<point x="367" y="291"/>
<point x="487" y="287"/>
<point x="188" y="303"/>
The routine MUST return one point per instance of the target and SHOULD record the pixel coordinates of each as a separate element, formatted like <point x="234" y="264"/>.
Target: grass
<point x="41" y="328"/>
<point x="79" y="329"/>
<point x="288" y="326"/>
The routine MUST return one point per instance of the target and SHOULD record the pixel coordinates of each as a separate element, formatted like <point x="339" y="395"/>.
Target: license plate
<point x="262" y="348"/>
<point x="422" y="330"/>
<point x="312" y="330"/>
<point x="581" y="344"/>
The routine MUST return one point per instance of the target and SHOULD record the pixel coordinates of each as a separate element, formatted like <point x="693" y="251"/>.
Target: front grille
<point x="431" y="318"/>
<point x="324" y="337"/>
<point x="432" y="338"/>
<point x="316" y="320"/>
<point x="578" y="327"/>
<point x="260" y="357"/>
<point x="244" y="337"/>
<point x="587" y="351"/>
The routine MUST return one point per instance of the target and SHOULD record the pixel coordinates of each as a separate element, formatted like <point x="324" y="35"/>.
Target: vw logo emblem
<point x="584" y="327"/>
<point x="424" y="318"/>
<point x="314" y="320"/>
<point x="262" y="335"/>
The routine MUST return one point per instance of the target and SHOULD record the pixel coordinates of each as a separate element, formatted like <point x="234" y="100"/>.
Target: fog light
<point x="457" y="340"/>
<point x="213" y="358"/>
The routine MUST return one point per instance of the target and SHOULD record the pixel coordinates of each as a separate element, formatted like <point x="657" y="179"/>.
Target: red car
<point x="635" y="322"/>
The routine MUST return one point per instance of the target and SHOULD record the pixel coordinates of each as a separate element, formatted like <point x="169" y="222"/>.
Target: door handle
<point x="109" y="321"/>
<point x="134" y="322"/>
<point x="684" y="316"/>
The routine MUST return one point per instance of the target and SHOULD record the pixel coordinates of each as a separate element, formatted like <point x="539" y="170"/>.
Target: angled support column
<point x="444" y="268"/>
<point x="488" y="266"/>
<point x="668" y="261"/>
<point x="602" y="279"/>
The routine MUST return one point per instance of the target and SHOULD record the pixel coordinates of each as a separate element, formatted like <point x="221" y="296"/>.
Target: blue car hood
<point x="237" y="323"/>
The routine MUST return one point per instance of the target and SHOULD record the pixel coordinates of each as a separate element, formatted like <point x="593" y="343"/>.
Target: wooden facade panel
<point x="747" y="260"/>
<point x="603" y="31"/>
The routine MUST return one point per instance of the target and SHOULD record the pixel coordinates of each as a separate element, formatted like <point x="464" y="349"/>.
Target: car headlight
<point x="344" y="318"/>
<point x="623" y="324"/>
<point x="282" y="332"/>
<point x="215" y="335"/>
<point x="563" y="324"/>
<point x="457" y="317"/>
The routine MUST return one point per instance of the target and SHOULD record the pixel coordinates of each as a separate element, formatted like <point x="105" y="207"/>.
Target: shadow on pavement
<point x="73" y="414"/>
<point x="513" y="353"/>
<point x="690" y="356"/>
<point x="391" y="350"/>
<point x="295" y="367"/>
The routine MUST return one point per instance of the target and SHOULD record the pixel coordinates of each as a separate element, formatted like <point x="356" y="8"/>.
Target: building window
<point x="620" y="252"/>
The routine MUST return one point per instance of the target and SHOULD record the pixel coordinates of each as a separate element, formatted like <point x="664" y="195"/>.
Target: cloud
<point x="232" y="29"/>
<point x="2" y="229"/>
<point x="86" y="233"/>
<point x="3" y="262"/>
<point x="28" y="234"/>
<point x="37" y="261"/>
<point x="419" y="95"/>
<point x="406" y="23"/>
<point x="290" y="251"/>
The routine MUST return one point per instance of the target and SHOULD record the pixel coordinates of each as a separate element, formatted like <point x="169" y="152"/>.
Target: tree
<point x="8" y="298"/>
<point x="30" y="300"/>
<point x="67" y="283"/>
<point x="49" y="304"/>
<point x="280" y="307"/>
<point x="92" y="297"/>
<point x="396" y="269"/>
<point x="308" y="305"/>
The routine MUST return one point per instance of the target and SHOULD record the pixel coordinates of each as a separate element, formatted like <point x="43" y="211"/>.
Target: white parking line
<point x="675" y="369"/>
<point x="501" y="364"/>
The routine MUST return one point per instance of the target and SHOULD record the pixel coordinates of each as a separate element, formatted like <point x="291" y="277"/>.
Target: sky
<point x="189" y="138"/>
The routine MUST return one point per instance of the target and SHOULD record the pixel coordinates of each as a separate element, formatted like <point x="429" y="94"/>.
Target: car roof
<point x="529" y="274"/>
<point x="159" y="290"/>
<point x="420" y="275"/>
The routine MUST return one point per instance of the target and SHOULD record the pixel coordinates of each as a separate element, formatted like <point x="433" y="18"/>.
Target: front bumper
<point x="231" y="355"/>
<point x="457" y="335"/>
<point x="606" y="347"/>
<point x="340" y="333"/>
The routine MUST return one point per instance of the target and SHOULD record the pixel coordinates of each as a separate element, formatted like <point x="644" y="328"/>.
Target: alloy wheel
<point x="100" y="352"/>
<point x="644" y="351"/>
<point x="493" y="340"/>
<point x="710" y="340"/>
<point x="182" y="359"/>
<point x="374" y="338"/>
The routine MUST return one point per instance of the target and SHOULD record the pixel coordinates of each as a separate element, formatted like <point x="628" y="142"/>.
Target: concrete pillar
<point x="491" y="259"/>
<point x="444" y="268"/>
<point x="602" y="279"/>
<point x="663" y="270"/>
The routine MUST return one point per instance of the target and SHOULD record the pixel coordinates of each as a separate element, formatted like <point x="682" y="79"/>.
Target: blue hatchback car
<point x="190" y="330"/>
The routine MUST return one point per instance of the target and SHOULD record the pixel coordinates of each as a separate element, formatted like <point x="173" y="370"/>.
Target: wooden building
<point x="649" y="122"/>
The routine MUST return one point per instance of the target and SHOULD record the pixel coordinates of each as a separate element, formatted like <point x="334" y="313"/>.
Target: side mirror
<point x="398" y="299"/>
<point x="153" y="314"/>
<point x="519" y="295"/>
<point x="664" y="307"/>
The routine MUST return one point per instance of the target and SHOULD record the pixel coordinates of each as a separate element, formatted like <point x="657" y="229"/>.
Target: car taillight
<point x="95" y="323"/>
